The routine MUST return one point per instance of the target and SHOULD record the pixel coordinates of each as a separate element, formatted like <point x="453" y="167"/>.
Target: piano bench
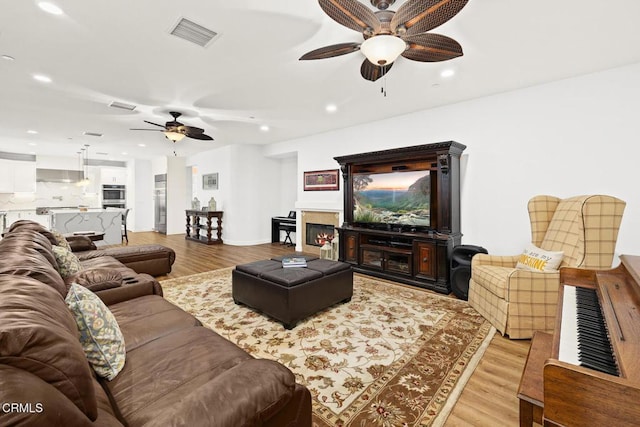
<point x="288" y="229"/>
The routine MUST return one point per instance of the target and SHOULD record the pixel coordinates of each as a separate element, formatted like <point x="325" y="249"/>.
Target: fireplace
<point x="314" y="223"/>
<point x="317" y="234"/>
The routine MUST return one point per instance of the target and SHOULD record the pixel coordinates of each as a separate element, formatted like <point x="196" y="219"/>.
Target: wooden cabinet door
<point x="351" y="247"/>
<point x="425" y="261"/>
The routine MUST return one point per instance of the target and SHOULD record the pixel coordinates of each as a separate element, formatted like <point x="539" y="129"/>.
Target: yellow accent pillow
<point x="535" y="259"/>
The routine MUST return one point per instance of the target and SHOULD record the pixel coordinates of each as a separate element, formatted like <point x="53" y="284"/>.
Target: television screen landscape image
<point x="392" y="198"/>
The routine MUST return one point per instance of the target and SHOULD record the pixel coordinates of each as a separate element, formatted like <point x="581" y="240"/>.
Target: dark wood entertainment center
<point x="412" y="254"/>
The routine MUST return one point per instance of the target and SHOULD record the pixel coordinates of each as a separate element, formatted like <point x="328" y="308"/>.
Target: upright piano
<point x="592" y="375"/>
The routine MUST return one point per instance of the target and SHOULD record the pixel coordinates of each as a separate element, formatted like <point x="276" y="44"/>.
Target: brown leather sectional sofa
<point x="177" y="372"/>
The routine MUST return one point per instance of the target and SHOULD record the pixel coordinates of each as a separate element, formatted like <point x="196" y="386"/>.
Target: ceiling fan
<point x="176" y="131"/>
<point x="388" y="34"/>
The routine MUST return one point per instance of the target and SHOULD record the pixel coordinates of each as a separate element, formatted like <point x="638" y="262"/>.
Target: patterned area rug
<point x="393" y="356"/>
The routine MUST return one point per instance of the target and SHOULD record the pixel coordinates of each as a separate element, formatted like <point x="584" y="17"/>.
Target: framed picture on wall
<point x="210" y="181"/>
<point x="327" y="180"/>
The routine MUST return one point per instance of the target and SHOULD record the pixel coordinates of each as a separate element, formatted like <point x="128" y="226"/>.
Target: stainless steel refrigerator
<point x="161" y="203"/>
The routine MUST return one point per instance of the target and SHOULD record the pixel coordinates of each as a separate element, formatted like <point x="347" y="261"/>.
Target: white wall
<point x="571" y="137"/>
<point x="250" y="190"/>
<point x="177" y="200"/>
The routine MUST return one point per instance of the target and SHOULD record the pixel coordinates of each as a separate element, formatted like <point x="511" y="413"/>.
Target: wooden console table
<point x="200" y="226"/>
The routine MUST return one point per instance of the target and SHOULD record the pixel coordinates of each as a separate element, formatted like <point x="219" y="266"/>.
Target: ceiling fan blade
<point x="418" y="16"/>
<point x="191" y="129"/>
<point x="200" y="136"/>
<point x="431" y="48"/>
<point x="331" y="51"/>
<point x="155" y="124"/>
<point x="154" y="130"/>
<point x="352" y="14"/>
<point x="373" y="72"/>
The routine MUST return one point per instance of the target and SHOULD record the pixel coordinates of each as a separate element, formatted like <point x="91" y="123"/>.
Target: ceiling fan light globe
<point x="383" y="49"/>
<point x="174" y="136"/>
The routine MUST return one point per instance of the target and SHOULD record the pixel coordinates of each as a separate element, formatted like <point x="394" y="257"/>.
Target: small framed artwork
<point x="328" y="180"/>
<point x="210" y="181"/>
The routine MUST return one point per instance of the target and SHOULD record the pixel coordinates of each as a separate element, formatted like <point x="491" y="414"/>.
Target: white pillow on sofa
<point x="535" y="259"/>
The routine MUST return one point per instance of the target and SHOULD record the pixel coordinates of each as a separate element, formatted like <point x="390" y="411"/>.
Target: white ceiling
<point x="103" y="51"/>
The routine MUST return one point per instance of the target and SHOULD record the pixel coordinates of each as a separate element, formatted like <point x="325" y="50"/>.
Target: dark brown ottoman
<point x="292" y="294"/>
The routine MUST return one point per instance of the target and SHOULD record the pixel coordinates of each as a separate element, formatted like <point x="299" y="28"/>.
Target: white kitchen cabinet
<point x="6" y="176"/>
<point x="17" y="176"/>
<point x="94" y="186"/>
<point x="24" y="174"/>
<point x="113" y="176"/>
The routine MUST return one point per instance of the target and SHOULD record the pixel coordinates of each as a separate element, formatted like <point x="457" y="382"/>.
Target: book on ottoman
<point x="294" y="262"/>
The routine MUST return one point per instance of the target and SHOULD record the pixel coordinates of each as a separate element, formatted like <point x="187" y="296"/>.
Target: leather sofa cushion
<point x="148" y="318"/>
<point x="38" y="334"/>
<point x="25" y="224"/>
<point x="31" y="239"/>
<point x="326" y="266"/>
<point x="80" y="243"/>
<point x="96" y="279"/>
<point x="20" y="260"/>
<point x="160" y="373"/>
<point x="291" y="276"/>
<point x="258" y="267"/>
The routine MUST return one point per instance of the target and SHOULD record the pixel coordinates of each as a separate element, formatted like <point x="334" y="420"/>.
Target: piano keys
<point x="591" y="377"/>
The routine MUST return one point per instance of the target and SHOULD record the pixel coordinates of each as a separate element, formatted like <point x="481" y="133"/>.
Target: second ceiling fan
<point x="388" y="34"/>
<point x="175" y="131"/>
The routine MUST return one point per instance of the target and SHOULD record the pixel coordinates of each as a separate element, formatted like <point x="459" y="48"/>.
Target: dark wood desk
<point x="531" y="389"/>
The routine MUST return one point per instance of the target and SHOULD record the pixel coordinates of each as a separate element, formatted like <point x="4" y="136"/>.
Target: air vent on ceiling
<point x="92" y="134"/>
<point x="102" y="154"/>
<point x="116" y="104"/>
<point x="192" y="32"/>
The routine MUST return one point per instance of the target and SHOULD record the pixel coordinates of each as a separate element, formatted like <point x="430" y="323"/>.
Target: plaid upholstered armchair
<point x="518" y="302"/>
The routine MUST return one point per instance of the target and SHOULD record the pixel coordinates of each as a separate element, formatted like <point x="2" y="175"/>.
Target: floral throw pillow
<point x="61" y="240"/>
<point x="100" y="334"/>
<point x="68" y="263"/>
<point x="535" y="259"/>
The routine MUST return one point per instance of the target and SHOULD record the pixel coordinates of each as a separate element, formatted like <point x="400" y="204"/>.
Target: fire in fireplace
<point x="318" y="234"/>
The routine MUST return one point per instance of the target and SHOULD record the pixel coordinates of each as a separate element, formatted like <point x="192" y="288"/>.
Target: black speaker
<point x="461" y="268"/>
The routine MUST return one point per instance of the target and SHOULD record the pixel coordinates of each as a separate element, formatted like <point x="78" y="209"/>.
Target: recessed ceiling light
<point x="8" y="57"/>
<point x="331" y="108"/>
<point x="32" y="132"/>
<point x="50" y="8"/>
<point x="142" y="145"/>
<point x="447" y="73"/>
<point x="32" y="152"/>
<point x="33" y="144"/>
<point x="264" y="128"/>
<point x="42" y="78"/>
<point x="124" y="153"/>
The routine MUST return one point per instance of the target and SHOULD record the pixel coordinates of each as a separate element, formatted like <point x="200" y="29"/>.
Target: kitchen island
<point x="109" y="222"/>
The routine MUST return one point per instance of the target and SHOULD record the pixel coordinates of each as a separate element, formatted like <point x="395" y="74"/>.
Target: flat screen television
<point x="397" y="198"/>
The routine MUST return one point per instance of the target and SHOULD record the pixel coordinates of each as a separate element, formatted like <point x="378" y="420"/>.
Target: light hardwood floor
<point x="489" y="398"/>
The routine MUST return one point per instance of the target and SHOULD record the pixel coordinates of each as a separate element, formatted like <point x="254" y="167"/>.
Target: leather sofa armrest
<point x="96" y="279"/>
<point x="143" y="285"/>
<point x="228" y="401"/>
